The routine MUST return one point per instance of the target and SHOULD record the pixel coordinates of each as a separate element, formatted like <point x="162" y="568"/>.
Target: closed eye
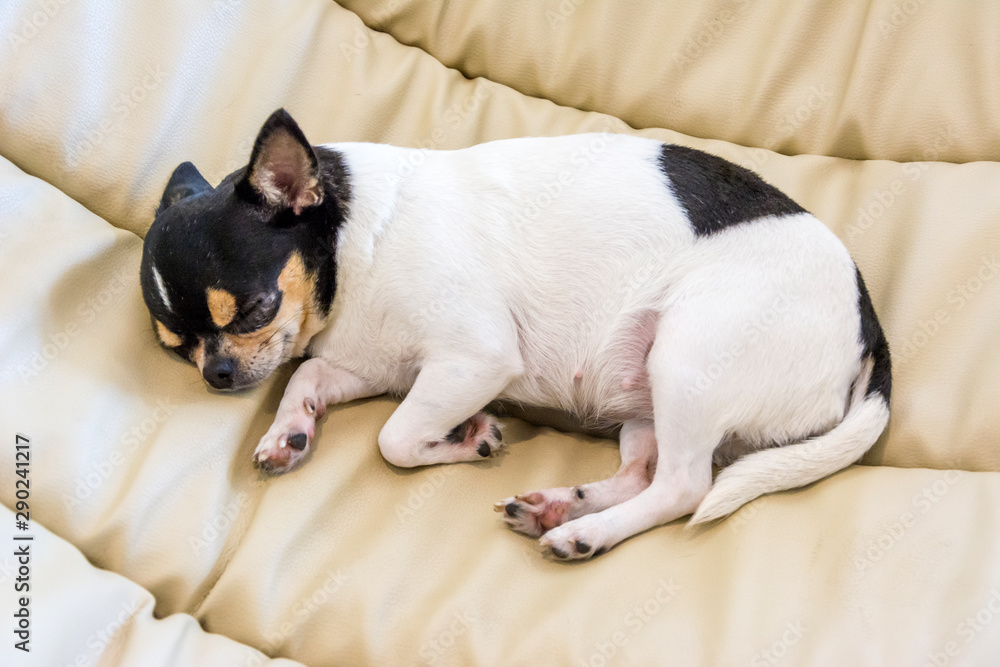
<point x="258" y="313"/>
<point x="184" y="351"/>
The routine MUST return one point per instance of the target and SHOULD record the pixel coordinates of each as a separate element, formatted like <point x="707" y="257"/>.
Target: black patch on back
<point x="874" y="342"/>
<point x="717" y="193"/>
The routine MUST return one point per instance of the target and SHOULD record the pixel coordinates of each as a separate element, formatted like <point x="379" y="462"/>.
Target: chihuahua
<point x="617" y="278"/>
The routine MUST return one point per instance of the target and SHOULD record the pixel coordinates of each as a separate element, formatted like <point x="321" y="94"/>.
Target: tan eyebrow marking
<point x="169" y="338"/>
<point x="294" y="281"/>
<point x="221" y="306"/>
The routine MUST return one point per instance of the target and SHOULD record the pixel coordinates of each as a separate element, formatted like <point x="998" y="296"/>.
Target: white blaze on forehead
<point x="162" y="289"/>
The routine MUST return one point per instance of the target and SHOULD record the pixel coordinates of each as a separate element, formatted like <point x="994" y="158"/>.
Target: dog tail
<point x="795" y="465"/>
<point x="798" y="464"/>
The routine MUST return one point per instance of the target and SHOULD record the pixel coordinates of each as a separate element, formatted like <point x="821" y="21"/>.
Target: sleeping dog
<point x="621" y="279"/>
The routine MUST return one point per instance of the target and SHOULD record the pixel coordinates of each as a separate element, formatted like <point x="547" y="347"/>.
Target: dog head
<point x="238" y="278"/>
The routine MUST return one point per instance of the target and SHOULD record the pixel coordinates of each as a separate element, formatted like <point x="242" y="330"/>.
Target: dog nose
<point x="219" y="372"/>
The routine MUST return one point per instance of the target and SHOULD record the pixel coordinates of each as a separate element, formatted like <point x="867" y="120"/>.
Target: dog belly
<point x="600" y="380"/>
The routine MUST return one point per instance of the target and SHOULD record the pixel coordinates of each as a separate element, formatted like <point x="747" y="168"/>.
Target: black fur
<point x="457" y="434"/>
<point x="184" y="182"/>
<point x="717" y="193"/>
<point x="228" y="238"/>
<point x="280" y="120"/>
<point x="875" y="344"/>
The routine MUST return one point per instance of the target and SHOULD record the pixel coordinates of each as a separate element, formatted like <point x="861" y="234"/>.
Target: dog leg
<point x="688" y="428"/>
<point x="537" y="512"/>
<point x="682" y="479"/>
<point x="423" y="428"/>
<point x="314" y="385"/>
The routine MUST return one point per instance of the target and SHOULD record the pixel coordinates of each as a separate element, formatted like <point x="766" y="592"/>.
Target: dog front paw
<point x="286" y="443"/>
<point x="477" y="437"/>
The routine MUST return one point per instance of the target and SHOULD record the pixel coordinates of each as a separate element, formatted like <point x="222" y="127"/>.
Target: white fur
<point x="564" y="273"/>
<point x="162" y="288"/>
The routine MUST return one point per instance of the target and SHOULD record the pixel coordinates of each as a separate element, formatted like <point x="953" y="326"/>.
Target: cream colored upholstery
<point x="351" y="561"/>
<point x="80" y="615"/>
<point x="874" y="80"/>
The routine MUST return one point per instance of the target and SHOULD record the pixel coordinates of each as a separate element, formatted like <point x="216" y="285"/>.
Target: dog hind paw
<point x="575" y="540"/>
<point x="540" y="511"/>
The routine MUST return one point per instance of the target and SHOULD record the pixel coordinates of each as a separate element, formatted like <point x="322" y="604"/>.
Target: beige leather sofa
<point x="882" y="118"/>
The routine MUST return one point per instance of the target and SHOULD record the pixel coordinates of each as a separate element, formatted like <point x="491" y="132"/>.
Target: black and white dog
<point x="614" y="277"/>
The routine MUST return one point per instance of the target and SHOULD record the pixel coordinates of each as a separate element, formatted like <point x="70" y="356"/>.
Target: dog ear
<point x="284" y="169"/>
<point x="184" y="182"/>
